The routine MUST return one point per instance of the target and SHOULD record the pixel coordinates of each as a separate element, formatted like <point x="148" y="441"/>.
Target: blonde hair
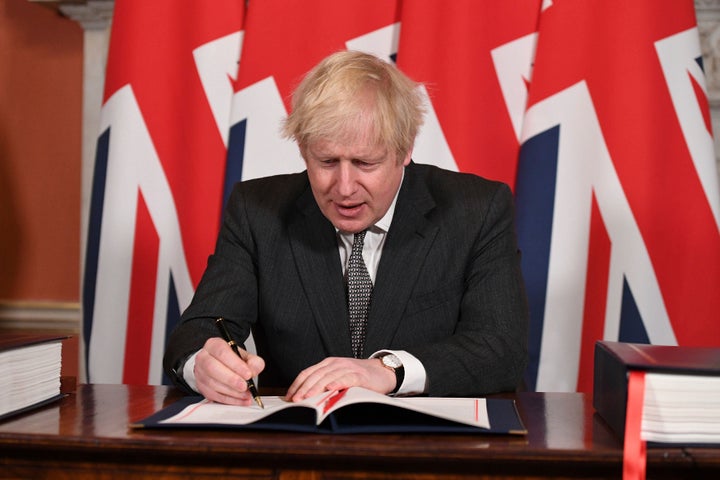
<point x="348" y="89"/>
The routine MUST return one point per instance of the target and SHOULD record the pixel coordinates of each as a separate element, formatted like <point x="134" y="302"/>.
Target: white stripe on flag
<point x="584" y="166"/>
<point x="133" y="166"/>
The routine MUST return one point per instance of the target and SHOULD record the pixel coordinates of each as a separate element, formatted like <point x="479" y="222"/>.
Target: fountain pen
<point x="228" y="338"/>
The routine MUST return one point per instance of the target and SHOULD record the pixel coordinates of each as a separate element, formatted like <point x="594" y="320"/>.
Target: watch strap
<point x="399" y="372"/>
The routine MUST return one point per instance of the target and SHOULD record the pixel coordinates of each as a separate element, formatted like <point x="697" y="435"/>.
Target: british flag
<point x="474" y="59"/>
<point x="157" y="184"/>
<point x="617" y="191"/>
<point x="596" y="114"/>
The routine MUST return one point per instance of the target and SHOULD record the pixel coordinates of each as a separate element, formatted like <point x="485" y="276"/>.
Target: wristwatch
<point x="392" y="362"/>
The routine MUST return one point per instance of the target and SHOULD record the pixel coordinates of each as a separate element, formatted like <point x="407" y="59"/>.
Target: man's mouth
<point x="349" y="210"/>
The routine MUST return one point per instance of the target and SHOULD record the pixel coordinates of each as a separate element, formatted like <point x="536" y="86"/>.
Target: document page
<point x="468" y="411"/>
<point x="207" y="412"/>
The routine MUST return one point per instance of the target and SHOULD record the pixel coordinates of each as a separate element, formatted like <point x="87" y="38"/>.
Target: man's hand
<point x="336" y="373"/>
<point x="221" y="376"/>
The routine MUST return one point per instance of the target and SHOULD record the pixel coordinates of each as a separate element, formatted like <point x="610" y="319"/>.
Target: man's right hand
<point x="221" y="376"/>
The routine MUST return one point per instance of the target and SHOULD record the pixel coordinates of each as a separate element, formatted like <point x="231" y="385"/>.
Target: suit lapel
<point x="406" y="247"/>
<point x="314" y="246"/>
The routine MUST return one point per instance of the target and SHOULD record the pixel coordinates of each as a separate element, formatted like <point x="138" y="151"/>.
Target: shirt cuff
<point x="415" y="379"/>
<point x="188" y="372"/>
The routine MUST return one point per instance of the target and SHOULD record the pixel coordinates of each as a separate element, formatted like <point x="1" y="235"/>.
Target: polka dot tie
<point x="359" y="293"/>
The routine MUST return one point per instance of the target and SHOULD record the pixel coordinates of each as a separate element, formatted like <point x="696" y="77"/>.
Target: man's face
<point x="353" y="183"/>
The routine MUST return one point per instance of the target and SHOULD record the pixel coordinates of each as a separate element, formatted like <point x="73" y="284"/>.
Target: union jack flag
<point x="473" y="57"/>
<point x="605" y="128"/>
<point x="157" y="185"/>
<point x="475" y="60"/>
<point x="617" y="193"/>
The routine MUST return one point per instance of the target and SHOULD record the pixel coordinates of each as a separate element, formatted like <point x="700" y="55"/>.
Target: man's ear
<point x="408" y="157"/>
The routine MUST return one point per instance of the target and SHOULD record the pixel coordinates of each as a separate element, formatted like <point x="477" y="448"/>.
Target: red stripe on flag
<point x="151" y="48"/>
<point x="286" y="39"/>
<point x="447" y="46"/>
<point x="142" y="298"/>
<point x="596" y="288"/>
<point x="702" y="103"/>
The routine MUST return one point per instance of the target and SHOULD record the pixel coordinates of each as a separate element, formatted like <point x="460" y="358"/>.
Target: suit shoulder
<point x="288" y="181"/>
<point x="447" y="182"/>
<point x="272" y="197"/>
<point x="279" y="187"/>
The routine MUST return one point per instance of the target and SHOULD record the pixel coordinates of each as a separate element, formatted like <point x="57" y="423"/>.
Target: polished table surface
<point x="87" y="434"/>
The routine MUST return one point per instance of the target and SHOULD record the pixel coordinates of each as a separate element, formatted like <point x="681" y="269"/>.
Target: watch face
<point x="391" y="361"/>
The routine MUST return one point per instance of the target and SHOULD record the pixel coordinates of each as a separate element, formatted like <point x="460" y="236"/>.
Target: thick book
<point x="353" y="410"/>
<point x="682" y="391"/>
<point x="29" y="371"/>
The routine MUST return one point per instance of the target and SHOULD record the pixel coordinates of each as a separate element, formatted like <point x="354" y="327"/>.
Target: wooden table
<point x="87" y="435"/>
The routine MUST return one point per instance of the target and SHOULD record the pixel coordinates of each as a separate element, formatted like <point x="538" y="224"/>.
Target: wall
<point x="41" y="59"/>
<point x="40" y="153"/>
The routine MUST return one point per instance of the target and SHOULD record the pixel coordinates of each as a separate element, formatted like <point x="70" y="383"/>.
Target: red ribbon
<point x="635" y="449"/>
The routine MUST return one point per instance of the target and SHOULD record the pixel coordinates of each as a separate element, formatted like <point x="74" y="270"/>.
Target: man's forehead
<point x="356" y="146"/>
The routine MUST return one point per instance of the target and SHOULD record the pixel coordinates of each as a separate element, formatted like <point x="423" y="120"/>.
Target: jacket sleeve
<point x="228" y="288"/>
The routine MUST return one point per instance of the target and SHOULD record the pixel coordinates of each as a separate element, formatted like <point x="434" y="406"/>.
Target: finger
<point x="255" y="363"/>
<point x="221" y="375"/>
<point x="339" y="373"/>
<point x="302" y="378"/>
<point x="242" y="364"/>
<point x="344" y="378"/>
<point x="331" y="374"/>
<point x="220" y="393"/>
<point x="299" y="380"/>
<point x="221" y="350"/>
<point x="211" y="375"/>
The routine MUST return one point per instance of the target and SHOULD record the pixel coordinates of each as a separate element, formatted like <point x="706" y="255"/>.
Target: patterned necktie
<point x="359" y="293"/>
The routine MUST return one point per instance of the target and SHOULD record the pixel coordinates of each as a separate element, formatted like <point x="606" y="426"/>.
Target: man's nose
<point x="346" y="179"/>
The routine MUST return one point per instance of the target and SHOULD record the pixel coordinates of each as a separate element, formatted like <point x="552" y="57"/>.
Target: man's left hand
<point x="337" y="373"/>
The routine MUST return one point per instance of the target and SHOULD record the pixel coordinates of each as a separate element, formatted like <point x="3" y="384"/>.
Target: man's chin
<point x="350" y="226"/>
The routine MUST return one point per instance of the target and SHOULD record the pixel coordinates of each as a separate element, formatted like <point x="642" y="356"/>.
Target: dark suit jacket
<point x="448" y="287"/>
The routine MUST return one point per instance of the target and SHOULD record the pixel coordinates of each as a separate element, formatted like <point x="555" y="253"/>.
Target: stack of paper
<point x="29" y="371"/>
<point x="681" y="401"/>
<point x="681" y="408"/>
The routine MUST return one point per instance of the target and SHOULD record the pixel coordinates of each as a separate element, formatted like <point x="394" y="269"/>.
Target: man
<point x="448" y="313"/>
